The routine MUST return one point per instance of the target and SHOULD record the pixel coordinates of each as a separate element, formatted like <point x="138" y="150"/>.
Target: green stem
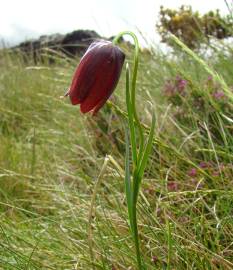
<point x="133" y="83"/>
<point x="136" y="237"/>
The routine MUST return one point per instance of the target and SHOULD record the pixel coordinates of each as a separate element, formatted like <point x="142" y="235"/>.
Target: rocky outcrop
<point x="78" y="41"/>
<point x="71" y="44"/>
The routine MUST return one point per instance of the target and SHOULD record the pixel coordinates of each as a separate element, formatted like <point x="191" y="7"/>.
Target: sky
<point x="25" y="19"/>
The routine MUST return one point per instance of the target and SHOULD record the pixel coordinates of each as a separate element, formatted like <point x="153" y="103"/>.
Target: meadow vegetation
<point x="51" y="157"/>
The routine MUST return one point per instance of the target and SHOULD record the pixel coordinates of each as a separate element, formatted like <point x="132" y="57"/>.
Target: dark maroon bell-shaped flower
<point x="96" y="76"/>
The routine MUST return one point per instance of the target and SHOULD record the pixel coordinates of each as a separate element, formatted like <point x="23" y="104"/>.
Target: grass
<point x="51" y="157"/>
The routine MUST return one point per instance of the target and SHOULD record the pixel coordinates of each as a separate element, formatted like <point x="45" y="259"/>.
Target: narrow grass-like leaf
<point x="143" y="161"/>
<point x="128" y="188"/>
<point x="227" y="118"/>
<point x="130" y="117"/>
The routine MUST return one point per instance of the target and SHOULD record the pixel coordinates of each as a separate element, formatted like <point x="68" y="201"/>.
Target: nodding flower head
<point x="96" y="76"/>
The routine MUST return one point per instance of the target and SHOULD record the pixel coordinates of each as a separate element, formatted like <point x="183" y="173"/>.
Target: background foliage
<point x="193" y="28"/>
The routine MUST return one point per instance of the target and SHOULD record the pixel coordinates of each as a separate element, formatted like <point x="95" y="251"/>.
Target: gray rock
<point x="71" y="44"/>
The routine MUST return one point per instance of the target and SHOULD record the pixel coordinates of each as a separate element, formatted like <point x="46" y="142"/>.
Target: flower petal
<point x="86" y="72"/>
<point x="105" y="84"/>
<point x="96" y="76"/>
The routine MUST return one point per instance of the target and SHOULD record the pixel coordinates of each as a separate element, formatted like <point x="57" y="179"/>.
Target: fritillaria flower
<point x="94" y="81"/>
<point x="96" y="76"/>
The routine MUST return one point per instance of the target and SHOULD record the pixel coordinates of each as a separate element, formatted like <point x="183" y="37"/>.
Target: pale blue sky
<point x="24" y="19"/>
